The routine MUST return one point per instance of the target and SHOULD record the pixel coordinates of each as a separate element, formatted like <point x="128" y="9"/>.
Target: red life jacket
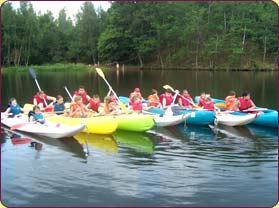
<point x="244" y="104"/>
<point x="94" y="105"/>
<point x="136" y="106"/>
<point x="40" y="100"/>
<point x="185" y="100"/>
<point x="209" y="106"/>
<point x="83" y="97"/>
<point x="169" y="99"/>
<point x="201" y="102"/>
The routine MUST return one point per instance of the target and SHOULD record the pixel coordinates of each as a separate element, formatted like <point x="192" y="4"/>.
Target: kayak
<point x="228" y="119"/>
<point x="98" y="141"/>
<point x="49" y="129"/>
<point x="197" y="117"/>
<point x="215" y="100"/>
<point x="170" y="120"/>
<point x="134" y="122"/>
<point x="139" y="141"/>
<point x="95" y="125"/>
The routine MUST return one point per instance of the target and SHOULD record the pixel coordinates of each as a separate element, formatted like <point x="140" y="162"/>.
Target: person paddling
<point x="83" y="94"/>
<point x="166" y="99"/>
<point x="185" y="100"/>
<point x="13" y="108"/>
<point x="40" y="99"/>
<point x="245" y="103"/>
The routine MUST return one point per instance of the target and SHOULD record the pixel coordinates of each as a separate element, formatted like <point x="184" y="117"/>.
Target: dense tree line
<point x="188" y="34"/>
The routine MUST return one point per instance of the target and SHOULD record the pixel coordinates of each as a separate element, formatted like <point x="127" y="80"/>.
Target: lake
<point x="177" y="166"/>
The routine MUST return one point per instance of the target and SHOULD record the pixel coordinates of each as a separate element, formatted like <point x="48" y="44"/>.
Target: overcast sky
<point x="71" y="7"/>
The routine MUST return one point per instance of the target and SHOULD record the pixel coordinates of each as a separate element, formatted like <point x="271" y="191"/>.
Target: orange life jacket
<point x="153" y="100"/>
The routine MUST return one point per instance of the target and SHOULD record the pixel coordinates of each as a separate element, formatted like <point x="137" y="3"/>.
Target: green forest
<point x="145" y="34"/>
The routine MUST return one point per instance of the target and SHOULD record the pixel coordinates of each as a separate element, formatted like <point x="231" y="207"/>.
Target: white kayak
<point x="49" y="129"/>
<point x="228" y="119"/>
<point x="170" y="120"/>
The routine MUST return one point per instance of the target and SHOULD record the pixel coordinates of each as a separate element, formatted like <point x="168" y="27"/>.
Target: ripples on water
<point x="175" y="166"/>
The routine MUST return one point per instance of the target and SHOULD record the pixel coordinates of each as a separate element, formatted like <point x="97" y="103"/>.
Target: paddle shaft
<point x="68" y="93"/>
<point x="36" y="81"/>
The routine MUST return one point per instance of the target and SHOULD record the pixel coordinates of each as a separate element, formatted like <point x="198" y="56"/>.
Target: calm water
<point x="178" y="166"/>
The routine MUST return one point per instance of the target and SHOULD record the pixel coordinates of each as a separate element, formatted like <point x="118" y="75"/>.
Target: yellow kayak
<point x="103" y="142"/>
<point x="95" y="125"/>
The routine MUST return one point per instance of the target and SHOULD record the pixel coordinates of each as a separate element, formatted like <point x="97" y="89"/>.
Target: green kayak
<point x="139" y="141"/>
<point x="134" y="122"/>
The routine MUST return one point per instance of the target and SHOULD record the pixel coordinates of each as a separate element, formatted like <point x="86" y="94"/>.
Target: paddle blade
<point x="100" y="72"/>
<point x="32" y="72"/>
<point x="168" y="87"/>
<point x="17" y="126"/>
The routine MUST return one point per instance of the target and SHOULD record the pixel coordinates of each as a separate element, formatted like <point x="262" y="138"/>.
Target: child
<point x="59" y="106"/>
<point x="202" y="99"/>
<point x="185" y="100"/>
<point x="231" y="101"/>
<point x="208" y="104"/>
<point x="36" y="115"/>
<point x="94" y="103"/>
<point x="83" y="94"/>
<point x="78" y="109"/>
<point x="14" y="108"/>
<point x="136" y="93"/>
<point x="166" y="99"/>
<point x="109" y="106"/>
<point x="40" y="99"/>
<point x="153" y="99"/>
<point x="245" y="103"/>
<point x="136" y="104"/>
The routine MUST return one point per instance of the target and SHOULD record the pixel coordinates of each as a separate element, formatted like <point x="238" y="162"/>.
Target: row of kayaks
<point x="62" y="126"/>
<point x="266" y="117"/>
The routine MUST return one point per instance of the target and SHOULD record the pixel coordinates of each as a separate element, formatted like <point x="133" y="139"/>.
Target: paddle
<point x="169" y="111"/>
<point x="33" y="74"/>
<point x="169" y="87"/>
<point x="101" y="74"/>
<point x="254" y="110"/>
<point x="65" y="87"/>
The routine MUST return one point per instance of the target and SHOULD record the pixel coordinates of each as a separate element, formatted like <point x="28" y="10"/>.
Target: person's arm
<point x="88" y="97"/>
<point x="180" y="102"/>
<point x="51" y="98"/>
<point x="35" y="101"/>
<point x="7" y="111"/>
<point x="253" y="105"/>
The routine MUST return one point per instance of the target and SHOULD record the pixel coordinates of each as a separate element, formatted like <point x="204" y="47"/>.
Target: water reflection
<point x="105" y="143"/>
<point x="138" y="141"/>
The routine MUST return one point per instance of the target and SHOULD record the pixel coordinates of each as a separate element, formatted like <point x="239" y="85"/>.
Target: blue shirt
<point x="15" y="110"/>
<point x="57" y="107"/>
<point x="39" y="117"/>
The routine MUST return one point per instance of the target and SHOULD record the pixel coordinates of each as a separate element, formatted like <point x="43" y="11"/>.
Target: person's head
<point x="96" y="98"/>
<point x="168" y="92"/>
<point x="36" y="109"/>
<point x="13" y="101"/>
<point x="41" y="94"/>
<point x="208" y="99"/>
<point x="136" y="89"/>
<point x="107" y="100"/>
<point x="81" y="89"/>
<point x="185" y="93"/>
<point x="232" y="93"/>
<point x="203" y="95"/>
<point x="154" y="92"/>
<point x="246" y="95"/>
<point x="59" y="99"/>
<point x="135" y="99"/>
<point x="78" y="100"/>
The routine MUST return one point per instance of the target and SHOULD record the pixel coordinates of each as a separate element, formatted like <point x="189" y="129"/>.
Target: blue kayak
<point x="215" y="100"/>
<point x="269" y="117"/>
<point x="198" y="117"/>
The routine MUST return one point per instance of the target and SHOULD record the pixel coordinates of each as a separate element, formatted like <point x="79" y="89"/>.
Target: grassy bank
<point x="51" y="67"/>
